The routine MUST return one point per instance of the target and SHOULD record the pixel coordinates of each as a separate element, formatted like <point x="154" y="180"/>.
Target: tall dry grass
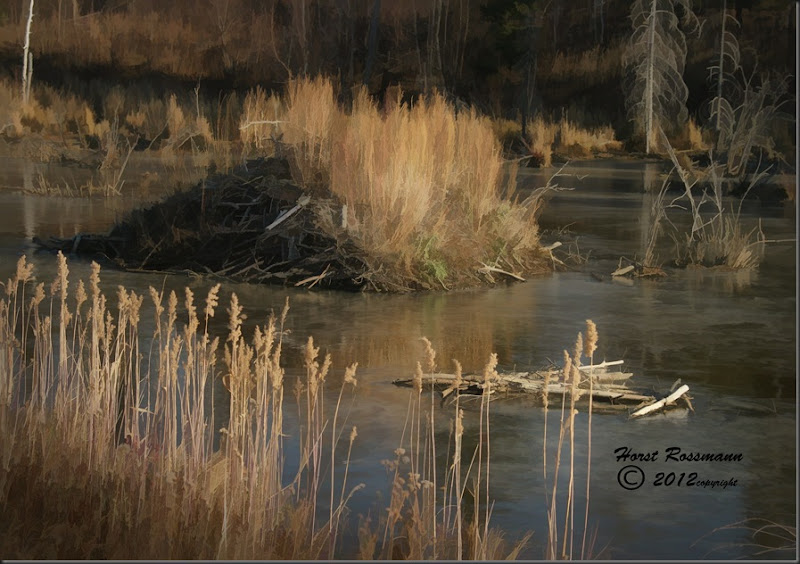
<point x="422" y="190"/>
<point x="561" y="541"/>
<point x="717" y="236"/>
<point x="109" y="448"/>
<point x="567" y="138"/>
<point x="439" y="512"/>
<point x="108" y="441"/>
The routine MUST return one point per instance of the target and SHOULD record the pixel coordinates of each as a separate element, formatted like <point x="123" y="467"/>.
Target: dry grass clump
<point x="47" y="113"/>
<point x="541" y="138"/>
<point x="565" y="137"/>
<point x="109" y="448"/>
<point x="717" y="236"/>
<point x="587" y="140"/>
<point x="721" y="239"/>
<point x="260" y="121"/>
<point x="421" y="189"/>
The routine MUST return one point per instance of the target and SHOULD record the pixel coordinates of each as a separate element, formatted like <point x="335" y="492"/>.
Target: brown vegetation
<point x="109" y="442"/>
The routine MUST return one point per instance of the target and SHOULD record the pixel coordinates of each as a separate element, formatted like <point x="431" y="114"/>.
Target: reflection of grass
<point x="108" y="183"/>
<point x="108" y="444"/>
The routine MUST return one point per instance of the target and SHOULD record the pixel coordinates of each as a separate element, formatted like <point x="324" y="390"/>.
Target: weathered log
<point x="662" y="402"/>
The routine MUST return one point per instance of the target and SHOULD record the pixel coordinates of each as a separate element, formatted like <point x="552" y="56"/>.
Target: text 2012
<point x="670" y="478"/>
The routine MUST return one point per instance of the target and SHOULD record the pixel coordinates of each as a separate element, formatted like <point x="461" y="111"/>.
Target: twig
<point x="314" y="279"/>
<point x="261" y="122"/>
<point x="487" y="269"/>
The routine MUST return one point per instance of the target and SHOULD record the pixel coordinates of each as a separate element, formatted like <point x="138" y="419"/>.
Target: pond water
<point x="730" y="336"/>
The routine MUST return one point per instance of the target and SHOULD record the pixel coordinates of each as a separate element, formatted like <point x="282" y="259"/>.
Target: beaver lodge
<point x="401" y="197"/>
<point x="255" y="225"/>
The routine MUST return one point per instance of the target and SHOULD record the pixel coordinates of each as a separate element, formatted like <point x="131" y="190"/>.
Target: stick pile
<point x="253" y="225"/>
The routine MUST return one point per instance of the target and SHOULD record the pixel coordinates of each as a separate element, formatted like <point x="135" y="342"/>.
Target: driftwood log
<point x="609" y="388"/>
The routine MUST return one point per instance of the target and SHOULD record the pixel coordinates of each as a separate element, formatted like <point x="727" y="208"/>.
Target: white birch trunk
<point x="26" y="73"/>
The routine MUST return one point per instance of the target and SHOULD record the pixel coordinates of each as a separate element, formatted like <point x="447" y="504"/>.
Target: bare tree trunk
<point x="464" y="45"/>
<point x="419" y="52"/>
<point x="438" y="7"/>
<point x="372" y="41"/>
<point x="721" y="60"/>
<point x="530" y="72"/>
<point x="27" y="62"/>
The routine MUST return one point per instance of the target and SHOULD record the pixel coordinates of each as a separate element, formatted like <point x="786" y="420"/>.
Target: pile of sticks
<point x="609" y="390"/>
<point x="253" y="225"/>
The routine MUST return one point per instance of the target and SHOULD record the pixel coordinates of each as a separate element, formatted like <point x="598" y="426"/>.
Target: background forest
<point x="509" y="59"/>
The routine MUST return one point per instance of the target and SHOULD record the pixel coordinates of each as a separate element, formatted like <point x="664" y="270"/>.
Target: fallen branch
<point x="662" y="402"/>
<point x="486" y="269"/>
<point x="302" y="201"/>
<point x="314" y="279"/>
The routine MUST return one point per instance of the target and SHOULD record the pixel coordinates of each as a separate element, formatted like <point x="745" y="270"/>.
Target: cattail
<point x="135" y="305"/>
<point x="94" y="279"/>
<point x="284" y="312"/>
<point x="312" y="367"/>
<point x="80" y="295"/>
<point x="61" y="281"/>
<point x="430" y="355"/>
<point x="350" y="377"/>
<point x="418" y="378"/>
<point x="591" y="339"/>
<point x="157" y="298"/>
<point x="38" y="295"/>
<point x="545" y="393"/>
<point x="326" y="366"/>
<point x="236" y="318"/>
<point x="489" y="372"/>
<point x="460" y="424"/>
<point x="353" y="434"/>
<point x="212" y="301"/>
<point x="24" y="270"/>
<point x="576" y="358"/>
<point x="567" y="366"/>
<point x="576" y="378"/>
<point x="192" y="310"/>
